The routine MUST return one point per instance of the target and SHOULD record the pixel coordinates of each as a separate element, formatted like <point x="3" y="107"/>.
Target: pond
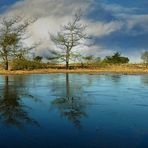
<point x="74" y="111"/>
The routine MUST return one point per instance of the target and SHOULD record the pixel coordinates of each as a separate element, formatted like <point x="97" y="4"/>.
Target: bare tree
<point x="12" y="33"/>
<point x="144" y="57"/>
<point x="71" y="35"/>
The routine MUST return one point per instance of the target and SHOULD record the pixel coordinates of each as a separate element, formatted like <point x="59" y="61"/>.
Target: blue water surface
<point x="74" y="111"/>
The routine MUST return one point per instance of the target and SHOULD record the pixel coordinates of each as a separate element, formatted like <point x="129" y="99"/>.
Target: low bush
<point x="23" y="64"/>
<point x="116" y="59"/>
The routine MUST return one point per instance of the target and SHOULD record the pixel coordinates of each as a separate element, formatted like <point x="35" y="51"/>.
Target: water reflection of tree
<point x="144" y="79"/>
<point x="12" y="110"/>
<point x="73" y="108"/>
<point x="114" y="78"/>
<point x="59" y="88"/>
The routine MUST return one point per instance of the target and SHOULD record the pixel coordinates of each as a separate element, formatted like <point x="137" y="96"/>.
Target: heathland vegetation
<point x="15" y="55"/>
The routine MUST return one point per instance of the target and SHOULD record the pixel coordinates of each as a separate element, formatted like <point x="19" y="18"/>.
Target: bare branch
<point x="71" y="35"/>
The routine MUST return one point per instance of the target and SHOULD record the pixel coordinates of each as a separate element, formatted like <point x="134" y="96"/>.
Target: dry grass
<point x="120" y="69"/>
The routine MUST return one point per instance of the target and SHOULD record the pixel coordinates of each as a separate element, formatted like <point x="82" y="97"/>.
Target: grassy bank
<point x="119" y="69"/>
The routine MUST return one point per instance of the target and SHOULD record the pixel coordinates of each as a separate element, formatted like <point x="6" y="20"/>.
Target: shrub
<point x="23" y="64"/>
<point x="116" y="59"/>
<point x="38" y="59"/>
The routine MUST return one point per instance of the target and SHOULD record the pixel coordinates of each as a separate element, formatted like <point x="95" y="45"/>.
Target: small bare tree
<point x="12" y="32"/>
<point x="144" y="57"/>
<point x="71" y="35"/>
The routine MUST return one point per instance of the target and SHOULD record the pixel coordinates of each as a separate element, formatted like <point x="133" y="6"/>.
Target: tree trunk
<point x="6" y="65"/>
<point x="67" y="65"/>
<point x="5" y="58"/>
<point x="67" y="59"/>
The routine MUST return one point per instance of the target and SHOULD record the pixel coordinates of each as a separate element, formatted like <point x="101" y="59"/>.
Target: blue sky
<point x="115" y="25"/>
<point x="4" y="4"/>
<point x="7" y="2"/>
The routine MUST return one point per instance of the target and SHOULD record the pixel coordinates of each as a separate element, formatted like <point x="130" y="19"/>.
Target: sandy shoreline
<point x="81" y="71"/>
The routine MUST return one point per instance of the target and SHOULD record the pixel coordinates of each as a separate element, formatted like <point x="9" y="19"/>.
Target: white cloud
<point x="118" y="9"/>
<point x="43" y="8"/>
<point x="138" y="20"/>
<point x="100" y="29"/>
